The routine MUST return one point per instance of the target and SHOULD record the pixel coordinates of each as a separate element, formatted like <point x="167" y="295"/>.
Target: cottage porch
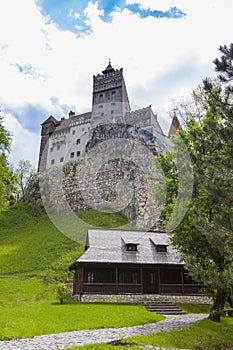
<point x="133" y="280"/>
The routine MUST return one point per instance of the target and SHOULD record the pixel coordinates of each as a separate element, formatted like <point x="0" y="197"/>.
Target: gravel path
<point x="76" y="338"/>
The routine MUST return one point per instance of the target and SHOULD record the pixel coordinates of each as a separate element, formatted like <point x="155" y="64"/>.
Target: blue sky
<point x="68" y="15"/>
<point x="50" y="50"/>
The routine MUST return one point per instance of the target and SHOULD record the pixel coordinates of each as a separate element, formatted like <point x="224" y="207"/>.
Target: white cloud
<point x="25" y="144"/>
<point x="162" y="58"/>
<point x="73" y="14"/>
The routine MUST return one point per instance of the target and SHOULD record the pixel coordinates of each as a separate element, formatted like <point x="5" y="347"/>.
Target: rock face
<point x="115" y="174"/>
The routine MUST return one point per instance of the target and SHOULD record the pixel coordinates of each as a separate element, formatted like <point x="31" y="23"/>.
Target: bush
<point x="62" y="293"/>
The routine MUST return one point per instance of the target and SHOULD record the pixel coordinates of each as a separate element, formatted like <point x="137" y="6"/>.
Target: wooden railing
<point x="124" y="288"/>
<point x="186" y="289"/>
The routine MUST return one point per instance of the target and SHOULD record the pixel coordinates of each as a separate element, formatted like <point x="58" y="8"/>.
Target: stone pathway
<point x="83" y="337"/>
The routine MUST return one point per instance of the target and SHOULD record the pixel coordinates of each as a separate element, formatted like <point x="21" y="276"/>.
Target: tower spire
<point x="109" y="68"/>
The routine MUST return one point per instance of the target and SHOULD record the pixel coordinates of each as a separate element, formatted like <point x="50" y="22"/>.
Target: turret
<point x="110" y="99"/>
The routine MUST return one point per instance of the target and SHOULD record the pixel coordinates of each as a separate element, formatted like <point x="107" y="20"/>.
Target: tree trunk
<point x="218" y="306"/>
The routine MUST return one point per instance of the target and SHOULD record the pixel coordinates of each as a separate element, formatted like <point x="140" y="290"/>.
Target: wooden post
<point x="141" y="280"/>
<point x="81" y="279"/>
<point x="182" y="279"/>
<point x="159" y="290"/>
<point x="116" y="280"/>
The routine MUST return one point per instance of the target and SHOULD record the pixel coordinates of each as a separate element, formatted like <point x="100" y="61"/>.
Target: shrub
<point x="62" y="293"/>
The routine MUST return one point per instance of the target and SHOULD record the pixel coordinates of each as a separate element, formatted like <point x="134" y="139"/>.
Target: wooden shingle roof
<point x="109" y="246"/>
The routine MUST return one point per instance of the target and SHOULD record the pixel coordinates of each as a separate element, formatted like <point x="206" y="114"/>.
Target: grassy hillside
<point x="33" y="246"/>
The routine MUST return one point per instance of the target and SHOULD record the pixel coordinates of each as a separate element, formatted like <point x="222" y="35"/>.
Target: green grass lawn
<point x="203" y="335"/>
<point x="33" y="246"/>
<point x="103" y="347"/>
<point x="28" y="307"/>
<point x="195" y="308"/>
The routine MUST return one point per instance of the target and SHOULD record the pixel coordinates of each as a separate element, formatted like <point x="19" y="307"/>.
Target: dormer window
<point x="161" y="248"/>
<point x="131" y="247"/>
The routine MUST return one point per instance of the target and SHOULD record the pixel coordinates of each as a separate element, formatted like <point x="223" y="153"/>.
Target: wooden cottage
<point x="122" y="262"/>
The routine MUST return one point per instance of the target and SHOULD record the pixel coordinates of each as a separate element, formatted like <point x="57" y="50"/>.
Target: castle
<point x="67" y="139"/>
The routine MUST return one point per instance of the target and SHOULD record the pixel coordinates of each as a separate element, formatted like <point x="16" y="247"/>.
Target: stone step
<point x="163" y="308"/>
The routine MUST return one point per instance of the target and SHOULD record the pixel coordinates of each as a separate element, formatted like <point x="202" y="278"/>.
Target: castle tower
<point x="48" y="127"/>
<point x="110" y="99"/>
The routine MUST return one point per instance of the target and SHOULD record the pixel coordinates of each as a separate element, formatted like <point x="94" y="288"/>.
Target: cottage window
<point x="161" y="248"/>
<point x="129" y="276"/>
<point x="153" y="278"/>
<point x="90" y="277"/>
<point x="131" y="247"/>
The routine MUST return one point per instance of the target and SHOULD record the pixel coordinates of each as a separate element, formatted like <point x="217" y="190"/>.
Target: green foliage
<point x="62" y="293"/>
<point x="205" y="236"/>
<point x="7" y="177"/>
<point x="27" y="308"/>
<point x="24" y="173"/>
<point x="203" y="335"/>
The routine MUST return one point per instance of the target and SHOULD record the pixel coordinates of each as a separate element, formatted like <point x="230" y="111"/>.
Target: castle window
<point x="51" y="149"/>
<point x="61" y="159"/>
<point x="113" y="95"/>
<point x="78" y="153"/>
<point x="78" y="141"/>
<point x="161" y="248"/>
<point x="72" y="155"/>
<point x="100" y="106"/>
<point x="73" y="132"/>
<point x="112" y="112"/>
<point x="101" y="98"/>
<point x="52" y="161"/>
<point x="58" y="147"/>
<point x="131" y="247"/>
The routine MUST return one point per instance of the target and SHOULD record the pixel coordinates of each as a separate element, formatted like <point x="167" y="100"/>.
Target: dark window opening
<point x="78" y="141"/>
<point x="153" y="277"/>
<point x="170" y="276"/>
<point x="52" y="161"/>
<point x="161" y="248"/>
<point x="107" y="275"/>
<point x="78" y="153"/>
<point x="129" y="276"/>
<point x="61" y="159"/>
<point x="72" y="155"/>
<point x="131" y="247"/>
<point x="101" y="98"/>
